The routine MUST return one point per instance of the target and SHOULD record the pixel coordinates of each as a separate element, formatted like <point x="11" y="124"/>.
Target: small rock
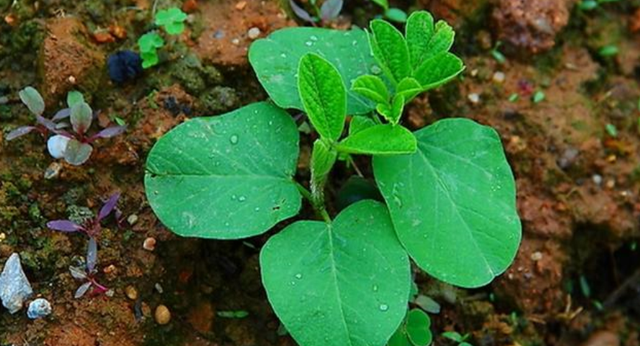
<point x="597" y="179"/>
<point x="14" y="285"/>
<point x="498" y="77"/>
<point x="132" y="219"/>
<point x="159" y="288"/>
<point x="149" y="244"/>
<point x="241" y="5"/>
<point x="39" y="308"/>
<point x="536" y="256"/>
<point x="131" y="292"/>
<point x="253" y="33"/>
<point x="474" y="98"/>
<point x="162" y="315"/>
<point x="53" y="171"/>
<point x="235" y="41"/>
<point x="568" y="158"/>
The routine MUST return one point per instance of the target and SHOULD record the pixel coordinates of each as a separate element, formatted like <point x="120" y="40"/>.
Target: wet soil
<point x="574" y="281"/>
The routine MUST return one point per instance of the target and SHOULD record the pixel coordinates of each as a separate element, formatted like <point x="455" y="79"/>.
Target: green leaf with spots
<point x="371" y="87"/>
<point x="438" y="70"/>
<point x="323" y="95"/>
<point x="275" y="61"/>
<point x="384" y="139"/>
<point x="342" y="283"/>
<point x="226" y="177"/>
<point x="390" y="49"/>
<point x="454" y="195"/>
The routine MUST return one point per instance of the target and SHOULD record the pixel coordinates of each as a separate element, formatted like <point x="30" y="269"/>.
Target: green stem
<point x="318" y="207"/>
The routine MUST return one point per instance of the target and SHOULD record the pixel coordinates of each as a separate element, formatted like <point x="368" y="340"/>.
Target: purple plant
<point x="74" y="145"/>
<point x="91" y="227"/>
<point x="329" y="11"/>
<point x="88" y="273"/>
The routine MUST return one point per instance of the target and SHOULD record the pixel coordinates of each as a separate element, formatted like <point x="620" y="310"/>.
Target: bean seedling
<point x="449" y="193"/>
<point x="172" y="21"/>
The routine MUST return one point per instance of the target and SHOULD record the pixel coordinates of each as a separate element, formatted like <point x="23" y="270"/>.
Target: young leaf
<point x="323" y="95"/>
<point x="396" y="15"/>
<point x="394" y="112"/>
<point x="371" y="87"/>
<point x="426" y="40"/>
<point x="92" y="255"/>
<point x="321" y="282"/>
<point x="109" y="132"/>
<point x="322" y="159"/>
<point x="226" y="177"/>
<point x="276" y="58"/>
<point x="417" y="325"/>
<point x="77" y="153"/>
<point x="61" y="114"/>
<point x="50" y="125"/>
<point x="438" y="70"/>
<point x="32" y="99"/>
<point x="359" y="123"/>
<point x="149" y="59"/>
<point x="19" y="132"/>
<point x="108" y="206"/>
<point x="81" y="117"/>
<point x="172" y="19"/>
<point x="300" y="12"/>
<point x="150" y="42"/>
<point x="331" y="9"/>
<point x="455" y="195"/>
<point x="408" y="88"/>
<point x="82" y="290"/>
<point x="390" y="49"/>
<point x="400" y="338"/>
<point x="384" y="139"/>
<point x="64" y="226"/>
<point x="74" y="97"/>
<point x="382" y="3"/>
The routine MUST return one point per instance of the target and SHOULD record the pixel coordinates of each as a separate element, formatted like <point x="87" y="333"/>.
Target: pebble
<point x="235" y="41"/>
<point x="536" y="256"/>
<point x="474" y="98"/>
<point x="159" y="288"/>
<point x="253" y="33"/>
<point x="132" y="219"/>
<point x="53" y="171"/>
<point x="39" y="308"/>
<point x="498" y="77"/>
<point x="14" y="285"/>
<point x="162" y="315"/>
<point x="149" y="244"/>
<point x="131" y="292"/>
<point x="597" y="179"/>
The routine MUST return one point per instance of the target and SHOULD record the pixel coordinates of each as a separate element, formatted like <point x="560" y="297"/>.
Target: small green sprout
<point x="514" y="97"/>
<point x="391" y="13"/>
<point x="608" y="51"/>
<point x="589" y="5"/>
<point x="538" y="96"/>
<point x="455" y="336"/>
<point x="414" y="331"/>
<point x="233" y="314"/>
<point x="611" y="130"/>
<point x="496" y="54"/>
<point x="172" y="20"/>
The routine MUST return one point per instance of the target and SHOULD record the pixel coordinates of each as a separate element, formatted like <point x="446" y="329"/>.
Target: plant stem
<point x="318" y="207"/>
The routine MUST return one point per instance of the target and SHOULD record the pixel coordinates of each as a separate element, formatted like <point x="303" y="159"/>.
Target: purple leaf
<point x="64" y="226"/>
<point x="108" y="206"/>
<point x="330" y="9"/>
<point x="62" y="114"/>
<point x="82" y="290"/>
<point x="92" y="255"/>
<point x="109" y="132"/>
<point x="300" y="12"/>
<point x="77" y="273"/>
<point x="50" y="125"/>
<point x="19" y="132"/>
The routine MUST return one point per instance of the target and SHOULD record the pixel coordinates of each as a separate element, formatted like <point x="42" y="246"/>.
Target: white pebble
<point x="253" y="33"/>
<point x="474" y="98"/>
<point x="498" y="77"/>
<point x="57" y="145"/>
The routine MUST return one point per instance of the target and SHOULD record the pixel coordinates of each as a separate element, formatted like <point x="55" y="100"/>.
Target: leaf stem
<point x="318" y="207"/>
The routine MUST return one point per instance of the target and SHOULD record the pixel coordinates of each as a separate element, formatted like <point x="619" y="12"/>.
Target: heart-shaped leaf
<point x="453" y="202"/>
<point x="426" y="40"/>
<point x="226" y="177"/>
<point x="275" y="60"/>
<point x="417" y="326"/>
<point x="383" y="139"/>
<point x="344" y="283"/>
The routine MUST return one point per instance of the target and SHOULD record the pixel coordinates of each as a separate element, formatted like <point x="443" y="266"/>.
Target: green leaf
<point x="275" y="60"/>
<point x="382" y="3"/>
<point x="150" y="42"/>
<point x="384" y="139"/>
<point x="453" y="202"/>
<point x="81" y="117"/>
<point x="323" y="95"/>
<point x="77" y="153"/>
<point x="455" y="336"/>
<point x="438" y="70"/>
<point x="226" y="177"/>
<point x="418" y="331"/>
<point x="172" y="19"/>
<point x="393" y="113"/>
<point x="359" y="123"/>
<point x="322" y="159"/>
<point x="73" y="98"/>
<point x="396" y="15"/>
<point x="149" y="59"/>
<point x="371" y="87"/>
<point x="426" y="40"/>
<point x="32" y="99"/>
<point x="343" y="283"/>
<point x="408" y="88"/>
<point x="399" y="338"/>
<point x="390" y="49"/>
